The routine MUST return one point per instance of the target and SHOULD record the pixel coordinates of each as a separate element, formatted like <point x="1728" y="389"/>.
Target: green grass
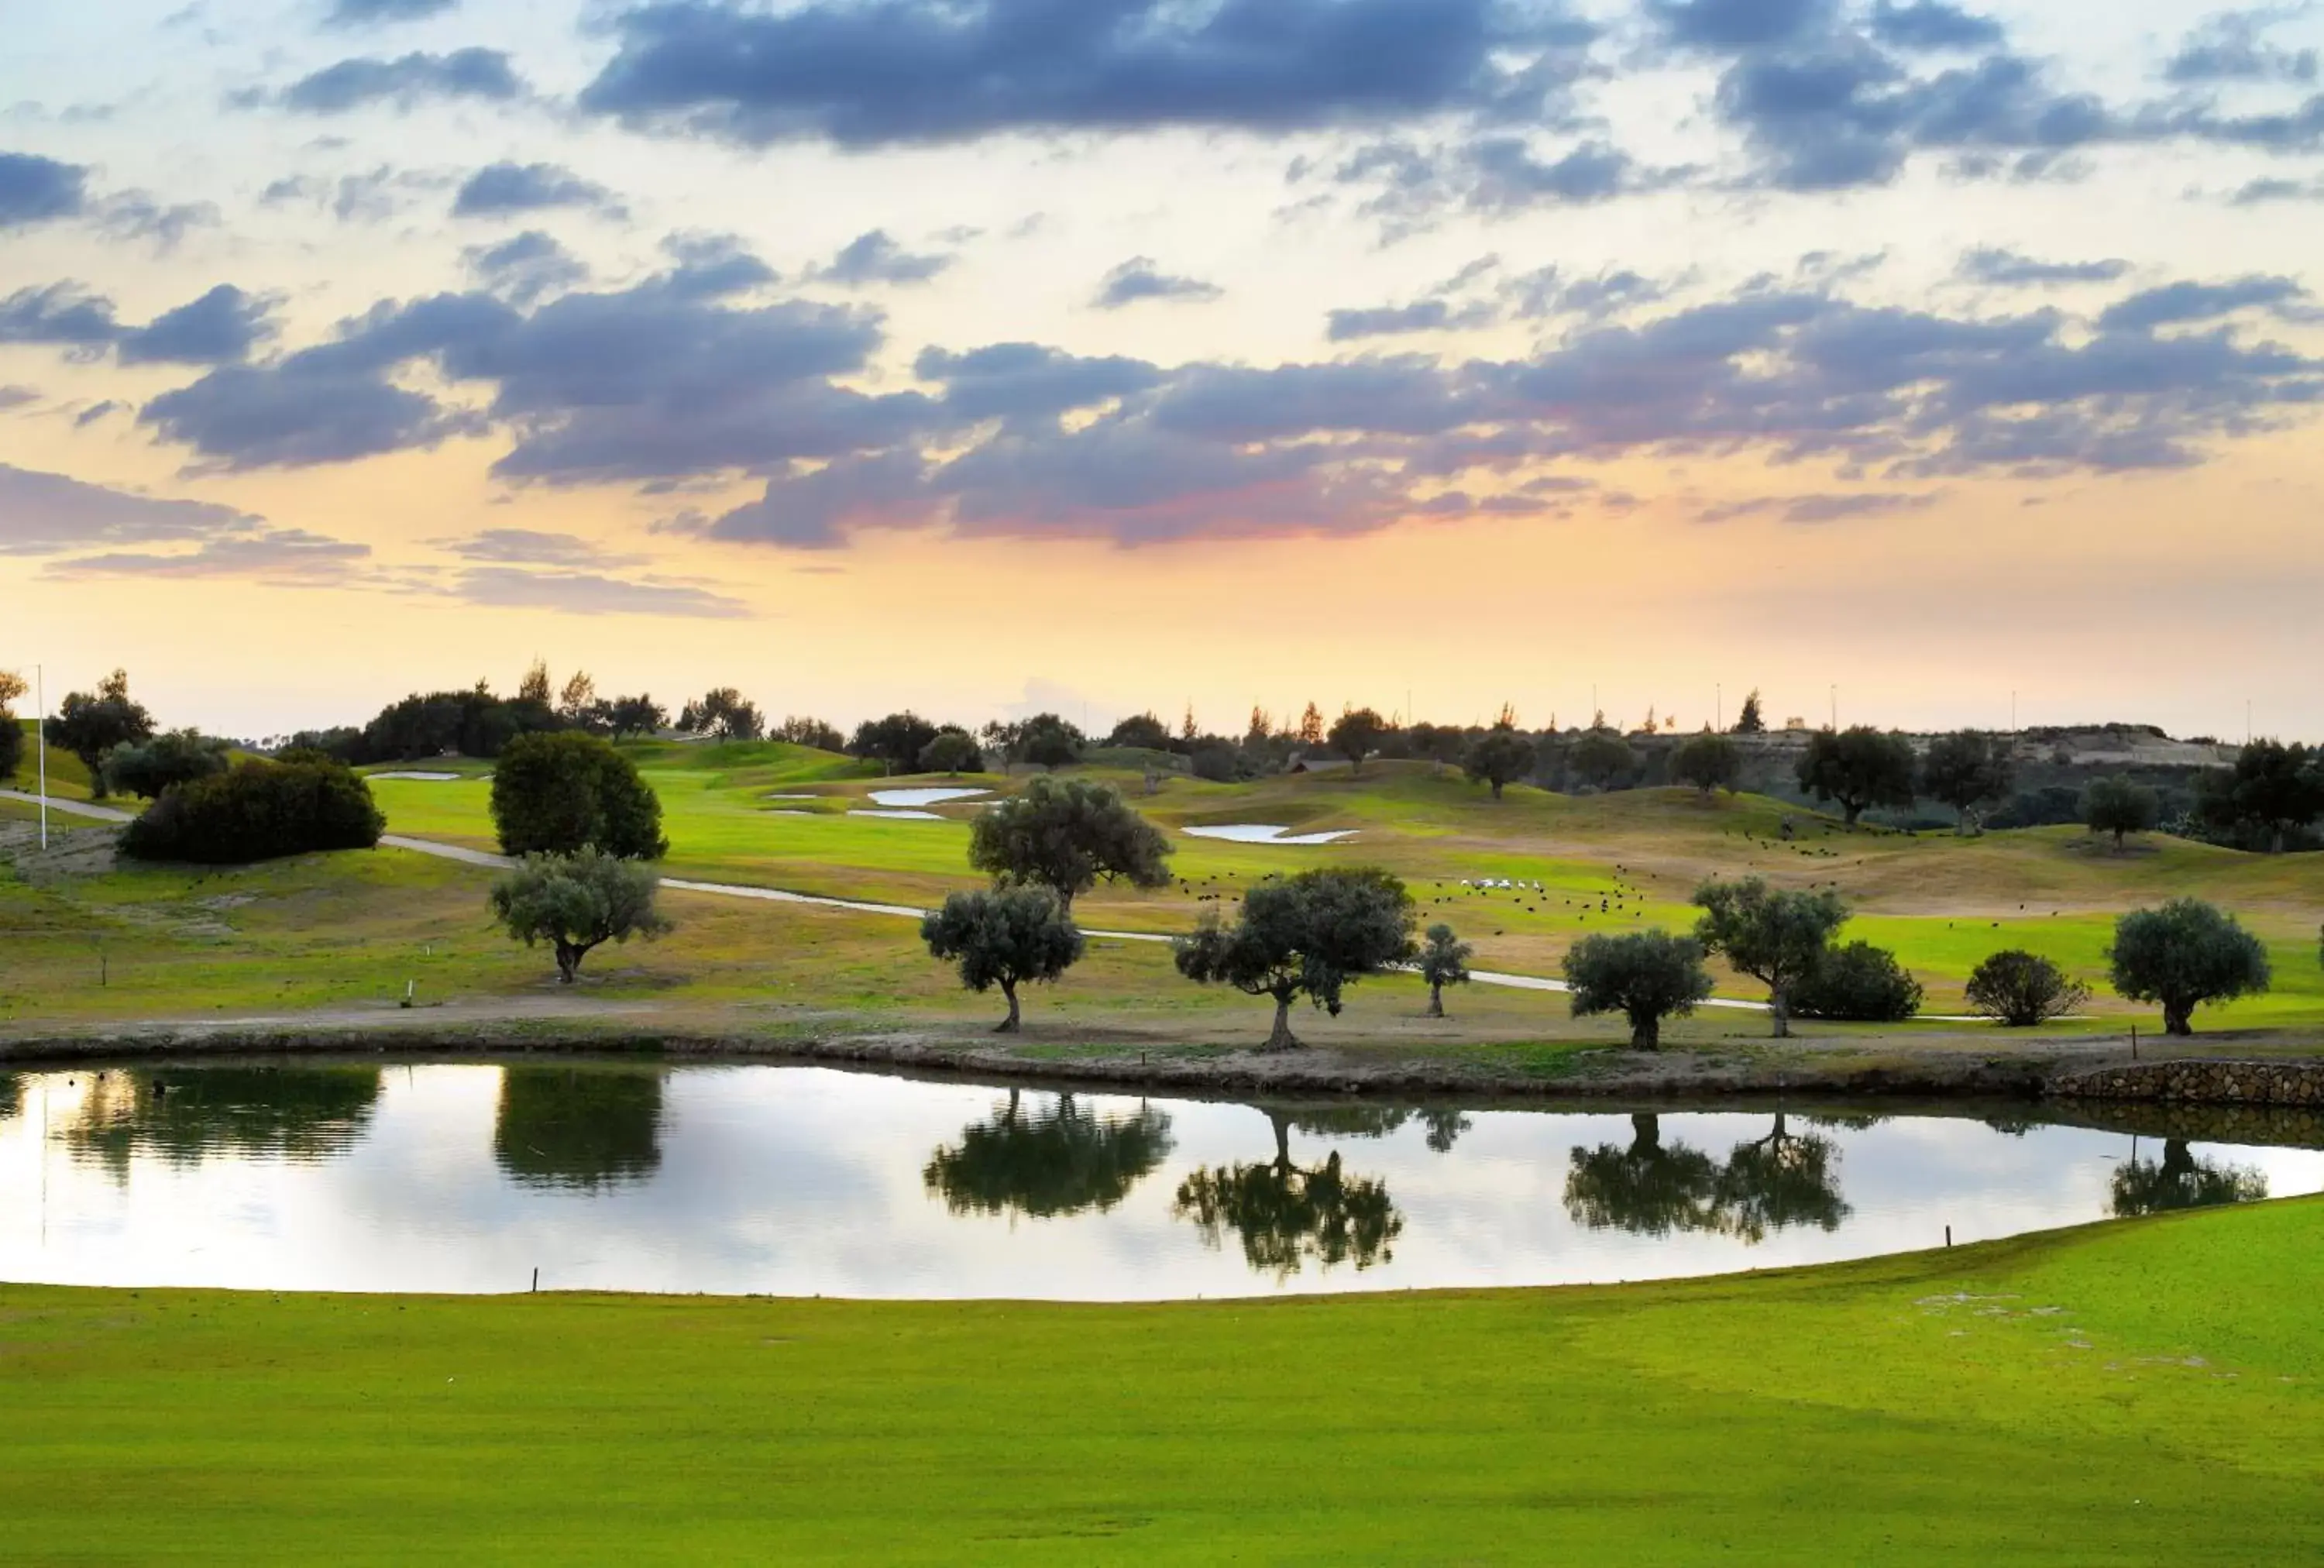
<point x="68" y="779"/>
<point x="2141" y="1392"/>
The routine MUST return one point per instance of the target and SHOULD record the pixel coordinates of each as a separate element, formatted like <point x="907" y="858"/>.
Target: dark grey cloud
<point x="499" y="189"/>
<point x="1496" y="174"/>
<point x="281" y="556"/>
<point x="372" y="13"/>
<point x="2232" y="47"/>
<point x="2175" y="304"/>
<point x="221" y="328"/>
<point x="47" y="514"/>
<point x="526" y="266"/>
<point x="1742" y="24"/>
<point x="98" y="412"/>
<point x="1139" y="278"/>
<point x="1022" y="381"/>
<point x="292" y="416"/>
<point x="590" y="593"/>
<point x="482" y="74"/>
<point x="16" y="397"/>
<point x="2003" y="268"/>
<point x="35" y="189"/>
<point x="133" y="215"/>
<point x="876" y="257"/>
<point x="872" y="72"/>
<point x="63" y="314"/>
<point x="1932" y="25"/>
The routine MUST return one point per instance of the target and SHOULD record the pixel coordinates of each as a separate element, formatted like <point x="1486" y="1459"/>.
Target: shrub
<point x="13" y="744"/>
<point x="1859" y="984"/>
<point x="1645" y="975"/>
<point x="562" y="792"/>
<point x="2020" y="990"/>
<point x="258" y="810"/>
<point x="149" y="769"/>
<point x="577" y="902"/>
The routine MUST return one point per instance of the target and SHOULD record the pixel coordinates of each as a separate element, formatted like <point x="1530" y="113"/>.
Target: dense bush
<point x="14" y="745"/>
<point x="258" y="810"/>
<point x="150" y="768"/>
<point x="2050" y="805"/>
<point x="561" y="793"/>
<point x="1857" y="983"/>
<point x="2020" y="990"/>
<point x="473" y="723"/>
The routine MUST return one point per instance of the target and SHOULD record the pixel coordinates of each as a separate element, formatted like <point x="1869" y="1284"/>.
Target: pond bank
<point x="2079" y="1070"/>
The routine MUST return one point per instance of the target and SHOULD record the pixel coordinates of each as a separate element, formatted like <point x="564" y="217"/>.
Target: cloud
<point x="530" y="546"/>
<point x="2260" y="192"/>
<point x="371" y="12"/>
<point x="2177" y="303"/>
<point x="1496" y="174"/>
<point x="98" y="411"/>
<point x="289" y="557"/>
<point x="876" y="72"/>
<point x="590" y="593"/>
<point x="1738" y="24"/>
<point x="1139" y="279"/>
<point x="221" y="328"/>
<point x="63" y="313"/>
<point x="133" y="215"/>
<point x="1822" y="508"/>
<point x="482" y="74"/>
<point x="523" y="268"/>
<point x="1394" y="320"/>
<point x="1932" y="25"/>
<point x="2005" y="268"/>
<point x="16" y="397"/>
<point x="43" y="514"/>
<point x="501" y="188"/>
<point x="1025" y="381"/>
<point x="35" y="189"/>
<point x="875" y="257"/>
<point x="2230" y="48"/>
<point x="296" y="415"/>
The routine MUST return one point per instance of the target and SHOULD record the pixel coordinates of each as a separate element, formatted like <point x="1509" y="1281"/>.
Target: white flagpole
<point x="40" y="741"/>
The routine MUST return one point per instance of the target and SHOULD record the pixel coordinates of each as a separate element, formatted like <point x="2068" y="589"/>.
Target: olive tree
<point x="577" y="903"/>
<point x="953" y="751"/>
<point x="1709" y="762"/>
<point x="1603" y="758"/>
<point x="1499" y="757"/>
<point x="1007" y="938"/>
<point x="2272" y="790"/>
<point x="2184" y="954"/>
<point x="1859" y="768"/>
<point x="1966" y="770"/>
<point x="1777" y="937"/>
<point x="1645" y="975"/>
<point x="2119" y="807"/>
<point x="89" y="724"/>
<point x="1311" y="935"/>
<point x="1068" y="834"/>
<point x="561" y="791"/>
<point x="1355" y="734"/>
<point x="1443" y="961"/>
<point x="146" y="769"/>
<point x="2020" y="990"/>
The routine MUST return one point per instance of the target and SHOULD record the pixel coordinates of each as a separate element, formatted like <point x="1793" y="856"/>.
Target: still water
<point x="801" y="1181"/>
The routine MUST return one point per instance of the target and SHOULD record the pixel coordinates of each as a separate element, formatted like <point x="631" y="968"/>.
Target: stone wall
<point x="2289" y="1083"/>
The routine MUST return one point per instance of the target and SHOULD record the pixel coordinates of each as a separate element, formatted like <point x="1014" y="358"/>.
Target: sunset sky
<point x="983" y="355"/>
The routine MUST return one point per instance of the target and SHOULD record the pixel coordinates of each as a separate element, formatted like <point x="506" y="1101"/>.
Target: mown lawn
<point x="2140" y="1392"/>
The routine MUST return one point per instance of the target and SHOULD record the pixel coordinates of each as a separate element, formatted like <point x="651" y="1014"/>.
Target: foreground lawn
<point x="2138" y="1392"/>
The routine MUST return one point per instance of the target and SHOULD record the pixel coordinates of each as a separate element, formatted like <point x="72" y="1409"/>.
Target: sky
<point x="1918" y="363"/>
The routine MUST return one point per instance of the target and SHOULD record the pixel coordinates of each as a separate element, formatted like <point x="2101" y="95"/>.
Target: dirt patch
<point x="72" y="852"/>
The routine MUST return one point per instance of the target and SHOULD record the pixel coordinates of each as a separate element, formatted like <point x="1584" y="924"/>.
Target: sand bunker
<point x="919" y="796"/>
<point x="1260" y="832"/>
<point x="420" y="778"/>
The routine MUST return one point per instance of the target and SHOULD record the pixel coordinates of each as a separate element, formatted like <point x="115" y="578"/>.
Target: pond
<point x="800" y="1181"/>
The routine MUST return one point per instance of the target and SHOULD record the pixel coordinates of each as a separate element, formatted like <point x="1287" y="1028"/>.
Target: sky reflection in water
<point x="805" y="1181"/>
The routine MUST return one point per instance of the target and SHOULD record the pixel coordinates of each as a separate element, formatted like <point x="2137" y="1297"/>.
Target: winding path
<point x="477" y="857"/>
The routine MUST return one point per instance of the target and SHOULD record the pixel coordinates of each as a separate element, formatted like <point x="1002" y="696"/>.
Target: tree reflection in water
<point x="1289" y="1215"/>
<point x="578" y="1128"/>
<point x="2180" y="1181"/>
<point x="1062" y="1161"/>
<point x="1650" y="1189"/>
<point x="12" y="1096"/>
<point x="182" y="1115"/>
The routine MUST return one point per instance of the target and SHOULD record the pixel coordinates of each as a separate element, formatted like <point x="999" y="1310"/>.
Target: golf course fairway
<point x="2143" y="1391"/>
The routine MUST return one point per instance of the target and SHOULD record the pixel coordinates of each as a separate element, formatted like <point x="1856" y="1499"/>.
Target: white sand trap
<point x="901" y="816"/>
<point x="921" y="796"/>
<point x="420" y="778"/>
<point x="794" y="814"/>
<point x="1259" y="832"/>
<point x="791" y="797"/>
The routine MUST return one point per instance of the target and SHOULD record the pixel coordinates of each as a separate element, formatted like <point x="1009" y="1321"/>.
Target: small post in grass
<point x="536" y="1279"/>
<point x="2133" y="1042"/>
<point x="1949" y="1235"/>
